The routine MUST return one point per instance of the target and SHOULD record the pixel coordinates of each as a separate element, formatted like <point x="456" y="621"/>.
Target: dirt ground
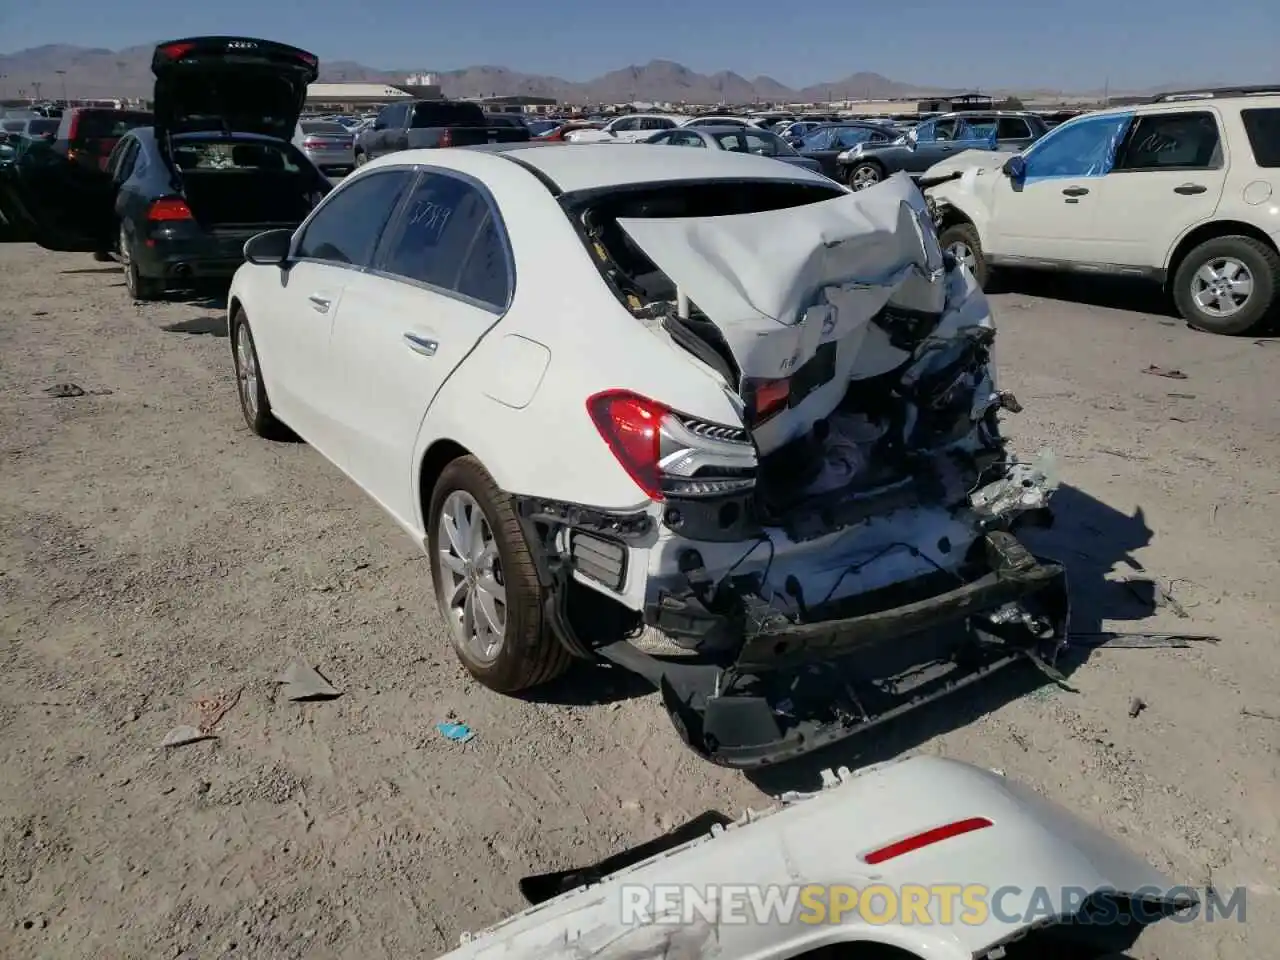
<point x="153" y="553"/>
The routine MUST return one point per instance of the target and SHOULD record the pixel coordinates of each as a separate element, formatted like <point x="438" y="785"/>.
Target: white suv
<point x="1184" y="190"/>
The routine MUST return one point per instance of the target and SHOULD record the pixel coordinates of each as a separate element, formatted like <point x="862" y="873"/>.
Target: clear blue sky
<point x="954" y="43"/>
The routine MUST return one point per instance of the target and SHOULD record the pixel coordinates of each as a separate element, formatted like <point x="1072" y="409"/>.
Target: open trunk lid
<point x="230" y="84"/>
<point x="809" y="298"/>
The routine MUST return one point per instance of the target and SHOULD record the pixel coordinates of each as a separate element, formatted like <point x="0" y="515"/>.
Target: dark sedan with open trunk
<point x="176" y="201"/>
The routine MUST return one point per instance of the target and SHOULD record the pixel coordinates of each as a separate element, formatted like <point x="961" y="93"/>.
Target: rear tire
<point x="361" y="159"/>
<point x="522" y="652"/>
<point x="139" y="287"/>
<point x="250" y="388"/>
<point x="866" y="174"/>
<point x="1212" y="267"/>
<point x="961" y="241"/>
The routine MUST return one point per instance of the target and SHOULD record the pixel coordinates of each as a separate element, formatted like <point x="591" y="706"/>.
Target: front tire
<point x="361" y="159"/>
<point x="1227" y="285"/>
<point x="961" y="241"/>
<point x="486" y="584"/>
<point x="865" y="175"/>
<point x="252" y="392"/>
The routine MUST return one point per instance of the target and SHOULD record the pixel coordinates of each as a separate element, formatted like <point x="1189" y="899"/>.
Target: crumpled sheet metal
<point x="781" y="283"/>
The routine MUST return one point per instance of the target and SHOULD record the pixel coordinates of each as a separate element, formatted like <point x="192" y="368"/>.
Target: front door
<point x="1168" y="178"/>
<point x="441" y="280"/>
<point x="1050" y="213"/>
<point x="62" y="205"/>
<point x="294" y="338"/>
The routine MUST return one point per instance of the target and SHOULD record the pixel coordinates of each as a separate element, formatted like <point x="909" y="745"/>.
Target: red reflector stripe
<point x="928" y="838"/>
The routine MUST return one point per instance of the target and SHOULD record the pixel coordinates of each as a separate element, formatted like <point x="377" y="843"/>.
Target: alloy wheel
<point x="1222" y="287"/>
<point x="247" y="369"/>
<point x="474" y="592"/>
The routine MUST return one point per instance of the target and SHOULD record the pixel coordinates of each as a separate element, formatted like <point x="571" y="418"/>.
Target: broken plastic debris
<point x="1027" y="486"/>
<point x="1134" y="641"/>
<point x="181" y="736"/>
<point x="1136" y="706"/>
<point x="64" y="391"/>
<point x="302" y="682"/>
<point x="457" y="732"/>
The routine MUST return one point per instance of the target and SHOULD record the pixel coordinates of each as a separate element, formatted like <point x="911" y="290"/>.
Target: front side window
<point x="765" y="145"/>
<point x="1172" y="141"/>
<point x="1079" y="148"/>
<point x="625" y="124"/>
<point x="445" y="221"/>
<point x="849" y="137"/>
<point x="977" y="129"/>
<point x="346" y="228"/>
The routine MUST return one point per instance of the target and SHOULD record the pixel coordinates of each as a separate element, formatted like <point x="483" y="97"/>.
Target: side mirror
<point x="1015" y="168"/>
<point x="270" y="248"/>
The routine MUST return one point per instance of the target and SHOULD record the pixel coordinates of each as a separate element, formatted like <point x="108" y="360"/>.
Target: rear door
<point x="1013" y="133"/>
<point x="61" y="204"/>
<point x="299" y="304"/>
<point x="443" y="277"/>
<point x="1168" y="178"/>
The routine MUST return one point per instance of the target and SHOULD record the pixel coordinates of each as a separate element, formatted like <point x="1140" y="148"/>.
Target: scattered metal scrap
<point x="211" y="710"/>
<point x="1162" y="372"/>
<point x="63" y="391"/>
<point x="1134" y="641"/>
<point x="1260" y="714"/>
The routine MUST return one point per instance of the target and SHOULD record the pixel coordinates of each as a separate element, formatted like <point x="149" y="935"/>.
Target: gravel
<point x="153" y="554"/>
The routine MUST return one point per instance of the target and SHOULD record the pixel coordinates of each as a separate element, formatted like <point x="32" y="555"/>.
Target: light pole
<point x="63" y="75"/>
<point x="35" y="85"/>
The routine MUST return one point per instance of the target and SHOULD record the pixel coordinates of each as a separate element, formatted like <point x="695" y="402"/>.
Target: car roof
<point x="726" y="128"/>
<point x="590" y="166"/>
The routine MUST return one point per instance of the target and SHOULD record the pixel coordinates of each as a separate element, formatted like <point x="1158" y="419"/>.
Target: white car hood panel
<point x="781" y="283"/>
<point x="1033" y="844"/>
<point x="985" y="160"/>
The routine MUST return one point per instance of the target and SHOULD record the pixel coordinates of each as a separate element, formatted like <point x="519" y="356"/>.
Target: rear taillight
<point x="311" y="143"/>
<point x="631" y="425"/>
<point x="176" y="51"/>
<point x="926" y="839"/>
<point x="168" y="209"/>
<point x="768" y="398"/>
<point x="446" y="139"/>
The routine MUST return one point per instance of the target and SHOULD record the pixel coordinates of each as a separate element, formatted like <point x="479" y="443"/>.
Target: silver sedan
<point x="737" y="139"/>
<point x="328" y="144"/>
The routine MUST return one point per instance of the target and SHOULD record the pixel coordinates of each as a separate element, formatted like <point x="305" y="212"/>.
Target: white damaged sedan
<point x="704" y="415"/>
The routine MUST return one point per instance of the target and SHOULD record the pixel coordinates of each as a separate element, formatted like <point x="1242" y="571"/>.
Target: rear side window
<point x="446" y="223"/>
<point x="1263" y="130"/>
<point x="428" y="114"/>
<point x="346" y="229"/>
<point x="1172" y="141"/>
<point x="1012" y="128"/>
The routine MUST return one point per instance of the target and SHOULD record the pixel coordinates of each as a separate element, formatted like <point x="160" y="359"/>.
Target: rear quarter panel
<point x="549" y="447"/>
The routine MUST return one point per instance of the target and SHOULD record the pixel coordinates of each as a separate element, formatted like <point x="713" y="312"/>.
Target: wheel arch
<point x="1210" y="231"/>
<point x="950" y="215"/>
<point x="437" y="456"/>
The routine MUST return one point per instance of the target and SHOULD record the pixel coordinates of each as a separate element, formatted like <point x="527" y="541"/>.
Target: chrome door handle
<point x="1191" y="189"/>
<point x="320" y="303"/>
<point x="422" y="345"/>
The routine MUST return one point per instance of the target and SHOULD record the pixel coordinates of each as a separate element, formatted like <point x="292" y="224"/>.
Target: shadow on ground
<point x="104" y="269"/>
<point x="214" y="325"/>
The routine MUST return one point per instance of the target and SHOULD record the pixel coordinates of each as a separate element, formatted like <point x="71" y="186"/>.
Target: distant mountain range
<point x="97" y="72"/>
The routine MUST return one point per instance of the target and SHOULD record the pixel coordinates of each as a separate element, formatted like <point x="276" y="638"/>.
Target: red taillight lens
<point x="770" y="398"/>
<point x="311" y="142"/>
<point x="176" y="51"/>
<point x="630" y="425"/>
<point x="167" y="209"/>
<point x="926" y="839"/>
<point x="446" y="138"/>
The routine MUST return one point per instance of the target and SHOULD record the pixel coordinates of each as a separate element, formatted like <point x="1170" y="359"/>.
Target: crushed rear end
<point x="848" y="550"/>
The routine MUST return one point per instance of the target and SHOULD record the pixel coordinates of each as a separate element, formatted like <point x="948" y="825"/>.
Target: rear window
<point x="322" y="126"/>
<point x="203" y="155"/>
<point x="41" y="128"/>
<point x="1263" y="129"/>
<point x="15" y="126"/>
<point x="447" y="115"/>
